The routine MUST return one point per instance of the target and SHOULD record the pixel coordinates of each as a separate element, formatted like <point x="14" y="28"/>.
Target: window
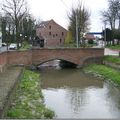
<point x="56" y="34"/>
<point x="53" y="35"/>
<point x="50" y="27"/>
<point x="62" y="33"/>
<point x="49" y="33"/>
<point x="60" y="40"/>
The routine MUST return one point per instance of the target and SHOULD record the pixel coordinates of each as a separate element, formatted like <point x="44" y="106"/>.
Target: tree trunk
<point x="17" y="33"/>
<point x="119" y="24"/>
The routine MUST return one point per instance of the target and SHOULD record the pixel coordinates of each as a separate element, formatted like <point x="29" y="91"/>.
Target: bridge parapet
<point x="39" y="56"/>
<point x="3" y="61"/>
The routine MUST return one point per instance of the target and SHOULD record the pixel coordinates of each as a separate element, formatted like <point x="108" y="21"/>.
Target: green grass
<point x="73" y="45"/>
<point x="106" y="72"/>
<point x="114" y="47"/>
<point x="112" y="59"/>
<point x="28" y="101"/>
<point x="25" y="46"/>
<point x="69" y="45"/>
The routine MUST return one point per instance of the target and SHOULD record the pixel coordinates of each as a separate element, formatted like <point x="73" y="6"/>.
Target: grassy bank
<point x="112" y="59"/>
<point x="114" y="47"/>
<point x="106" y="72"/>
<point x="25" y="46"/>
<point x="28" y="100"/>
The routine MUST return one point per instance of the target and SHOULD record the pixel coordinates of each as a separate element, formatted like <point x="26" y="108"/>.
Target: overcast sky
<point x="58" y="9"/>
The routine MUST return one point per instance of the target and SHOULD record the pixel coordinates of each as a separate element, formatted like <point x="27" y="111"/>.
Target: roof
<point x="44" y="24"/>
<point x="89" y="36"/>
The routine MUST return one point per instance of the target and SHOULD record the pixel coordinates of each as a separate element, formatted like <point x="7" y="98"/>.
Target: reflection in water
<point x="73" y="94"/>
<point x="72" y="78"/>
<point x="77" y="98"/>
<point x="113" y="97"/>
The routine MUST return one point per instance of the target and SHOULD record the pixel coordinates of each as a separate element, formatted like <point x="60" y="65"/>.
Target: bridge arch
<point x="38" y="56"/>
<point x="42" y="61"/>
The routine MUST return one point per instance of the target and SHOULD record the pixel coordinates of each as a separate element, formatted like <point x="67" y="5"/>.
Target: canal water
<point x="73" y="94"/>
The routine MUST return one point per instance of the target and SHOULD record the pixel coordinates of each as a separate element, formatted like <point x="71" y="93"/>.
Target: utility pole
<point x="105" y="35"/>
<point x="77" y="42"/>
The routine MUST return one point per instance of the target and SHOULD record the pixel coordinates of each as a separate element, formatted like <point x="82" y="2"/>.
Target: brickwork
<point x="3" y="61"/>
<point x="3" y="58"/>
<point x="39" y="56"/>
<point x="20" y="57"/>
<point x="53" y="33"/>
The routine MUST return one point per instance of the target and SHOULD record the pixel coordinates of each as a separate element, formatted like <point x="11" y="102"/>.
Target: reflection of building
<point x="53" y="34"/>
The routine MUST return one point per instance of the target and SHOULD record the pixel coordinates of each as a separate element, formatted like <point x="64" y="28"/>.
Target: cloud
<point x="58" y="9"/>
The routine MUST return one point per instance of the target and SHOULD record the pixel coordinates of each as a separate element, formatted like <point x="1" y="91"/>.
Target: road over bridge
<point x="78" y="56"/>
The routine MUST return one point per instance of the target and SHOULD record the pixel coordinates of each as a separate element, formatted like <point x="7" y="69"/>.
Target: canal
<point x="74" y="94"/>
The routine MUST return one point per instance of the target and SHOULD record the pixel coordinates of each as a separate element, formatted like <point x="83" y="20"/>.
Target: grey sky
<point x="57" y="10"/>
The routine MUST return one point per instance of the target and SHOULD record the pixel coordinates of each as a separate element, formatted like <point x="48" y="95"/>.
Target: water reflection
<point x="72" y="78"/>
<point x="77" y="99"/>
<point x="113" y="98"/>
<point x="73" y="94"/>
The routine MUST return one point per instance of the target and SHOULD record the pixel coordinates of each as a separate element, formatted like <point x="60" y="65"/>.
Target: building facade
<point x="54" y="35"/>
<point x="0" y="32"/>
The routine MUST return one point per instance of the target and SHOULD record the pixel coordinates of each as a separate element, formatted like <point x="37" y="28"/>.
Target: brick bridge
<point x="36" y="56"/>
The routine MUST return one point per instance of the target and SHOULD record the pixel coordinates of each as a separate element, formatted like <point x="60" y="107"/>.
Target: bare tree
<point x="83" y="16"/>
<point x="107" y="18"/>
<point x="15" y="9"/>
<point x="112" y="17"/>
<point x="112" y="14"/>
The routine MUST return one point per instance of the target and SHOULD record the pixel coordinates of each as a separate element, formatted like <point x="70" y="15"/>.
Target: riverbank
<point x="8" y="82"/>
<point x="28" y="99"/>
<point x="105" y="72"/>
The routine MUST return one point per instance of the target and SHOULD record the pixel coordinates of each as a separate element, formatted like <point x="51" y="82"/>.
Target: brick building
<point x="53" y="34"/>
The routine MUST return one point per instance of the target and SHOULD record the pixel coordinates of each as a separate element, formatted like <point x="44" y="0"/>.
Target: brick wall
<point x="3" y="61"/>
<point x="39" y="56"/>
<point x="19" y="57"/>
<point x="53" y="34"/>
<point x="77" y="56"/>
